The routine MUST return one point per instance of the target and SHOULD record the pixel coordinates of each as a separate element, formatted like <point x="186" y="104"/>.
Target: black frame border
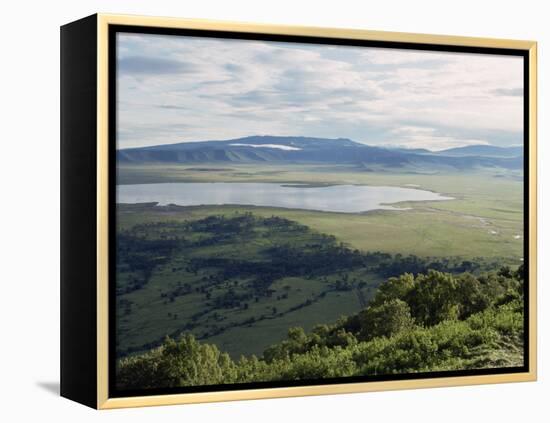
<point x="113" y="30"/>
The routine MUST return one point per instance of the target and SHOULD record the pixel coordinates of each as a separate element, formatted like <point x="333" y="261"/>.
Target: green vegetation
<point x="432" y="322"/>
<point x="220" y="276"/>
<point x="229" y="294"/>
<point x="245" y="278"/>
<point x="485" y="219"/>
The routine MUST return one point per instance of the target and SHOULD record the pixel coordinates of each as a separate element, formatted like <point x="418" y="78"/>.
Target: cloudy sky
<point x="175" y="89"/>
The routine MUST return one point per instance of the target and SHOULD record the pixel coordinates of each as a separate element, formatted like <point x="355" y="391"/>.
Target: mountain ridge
<point x="300" y="149"/>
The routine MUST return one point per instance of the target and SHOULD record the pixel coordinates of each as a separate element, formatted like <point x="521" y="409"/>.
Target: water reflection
<point x="336" y="198"/>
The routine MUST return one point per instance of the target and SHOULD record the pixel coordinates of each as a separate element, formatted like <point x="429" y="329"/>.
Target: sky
<point x="178" y="88"/>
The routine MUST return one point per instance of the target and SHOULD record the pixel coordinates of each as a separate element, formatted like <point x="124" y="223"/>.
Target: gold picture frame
<point x="99" y="28"/>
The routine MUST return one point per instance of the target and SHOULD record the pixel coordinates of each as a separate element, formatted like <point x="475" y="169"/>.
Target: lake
<point x="334" y="198"/>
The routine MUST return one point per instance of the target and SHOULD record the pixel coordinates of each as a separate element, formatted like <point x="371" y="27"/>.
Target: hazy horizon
<point x="388" y="146"/>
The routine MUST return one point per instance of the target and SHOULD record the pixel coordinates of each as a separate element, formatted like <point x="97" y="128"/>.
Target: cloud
<point x="152" y="66"/>
<point x="387" y="58"/>
<point x="429" y="138"/>
<point x="172" y="107"/>
<point x="508" y="92"/>
<point x="174" y="89"/>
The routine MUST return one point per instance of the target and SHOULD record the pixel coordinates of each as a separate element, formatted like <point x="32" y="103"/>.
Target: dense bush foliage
<point x="434" y="321"/>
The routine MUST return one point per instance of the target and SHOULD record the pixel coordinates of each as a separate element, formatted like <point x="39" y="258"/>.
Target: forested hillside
<point x="241" y="280"/>
<point x="432" y="322"/>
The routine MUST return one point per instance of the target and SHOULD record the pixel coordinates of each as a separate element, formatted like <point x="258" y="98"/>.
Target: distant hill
<point x="483" y="150"/>
<point x="258" y="149"/>
<point x="412" y="150"/>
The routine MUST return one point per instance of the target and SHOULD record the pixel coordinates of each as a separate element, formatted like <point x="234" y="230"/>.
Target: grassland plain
<point x="219" y="284"/>
<point x="485" y="219"/>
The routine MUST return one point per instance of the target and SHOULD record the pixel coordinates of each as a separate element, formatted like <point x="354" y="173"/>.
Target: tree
<point x="177" y="363"/>
<point x="387" y="319"/>
<point x="470" y="296"/>
<point x="433" y="298"/>
<point x="395" y="288"/>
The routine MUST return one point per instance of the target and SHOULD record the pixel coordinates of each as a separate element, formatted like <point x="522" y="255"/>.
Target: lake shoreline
<point x="337" y="198"/>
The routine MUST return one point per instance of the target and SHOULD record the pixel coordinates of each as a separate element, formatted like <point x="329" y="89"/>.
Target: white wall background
<point x="29" y="168"/>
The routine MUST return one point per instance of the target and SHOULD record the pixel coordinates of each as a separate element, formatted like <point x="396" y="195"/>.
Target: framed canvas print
<point x="255" y="211"/>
